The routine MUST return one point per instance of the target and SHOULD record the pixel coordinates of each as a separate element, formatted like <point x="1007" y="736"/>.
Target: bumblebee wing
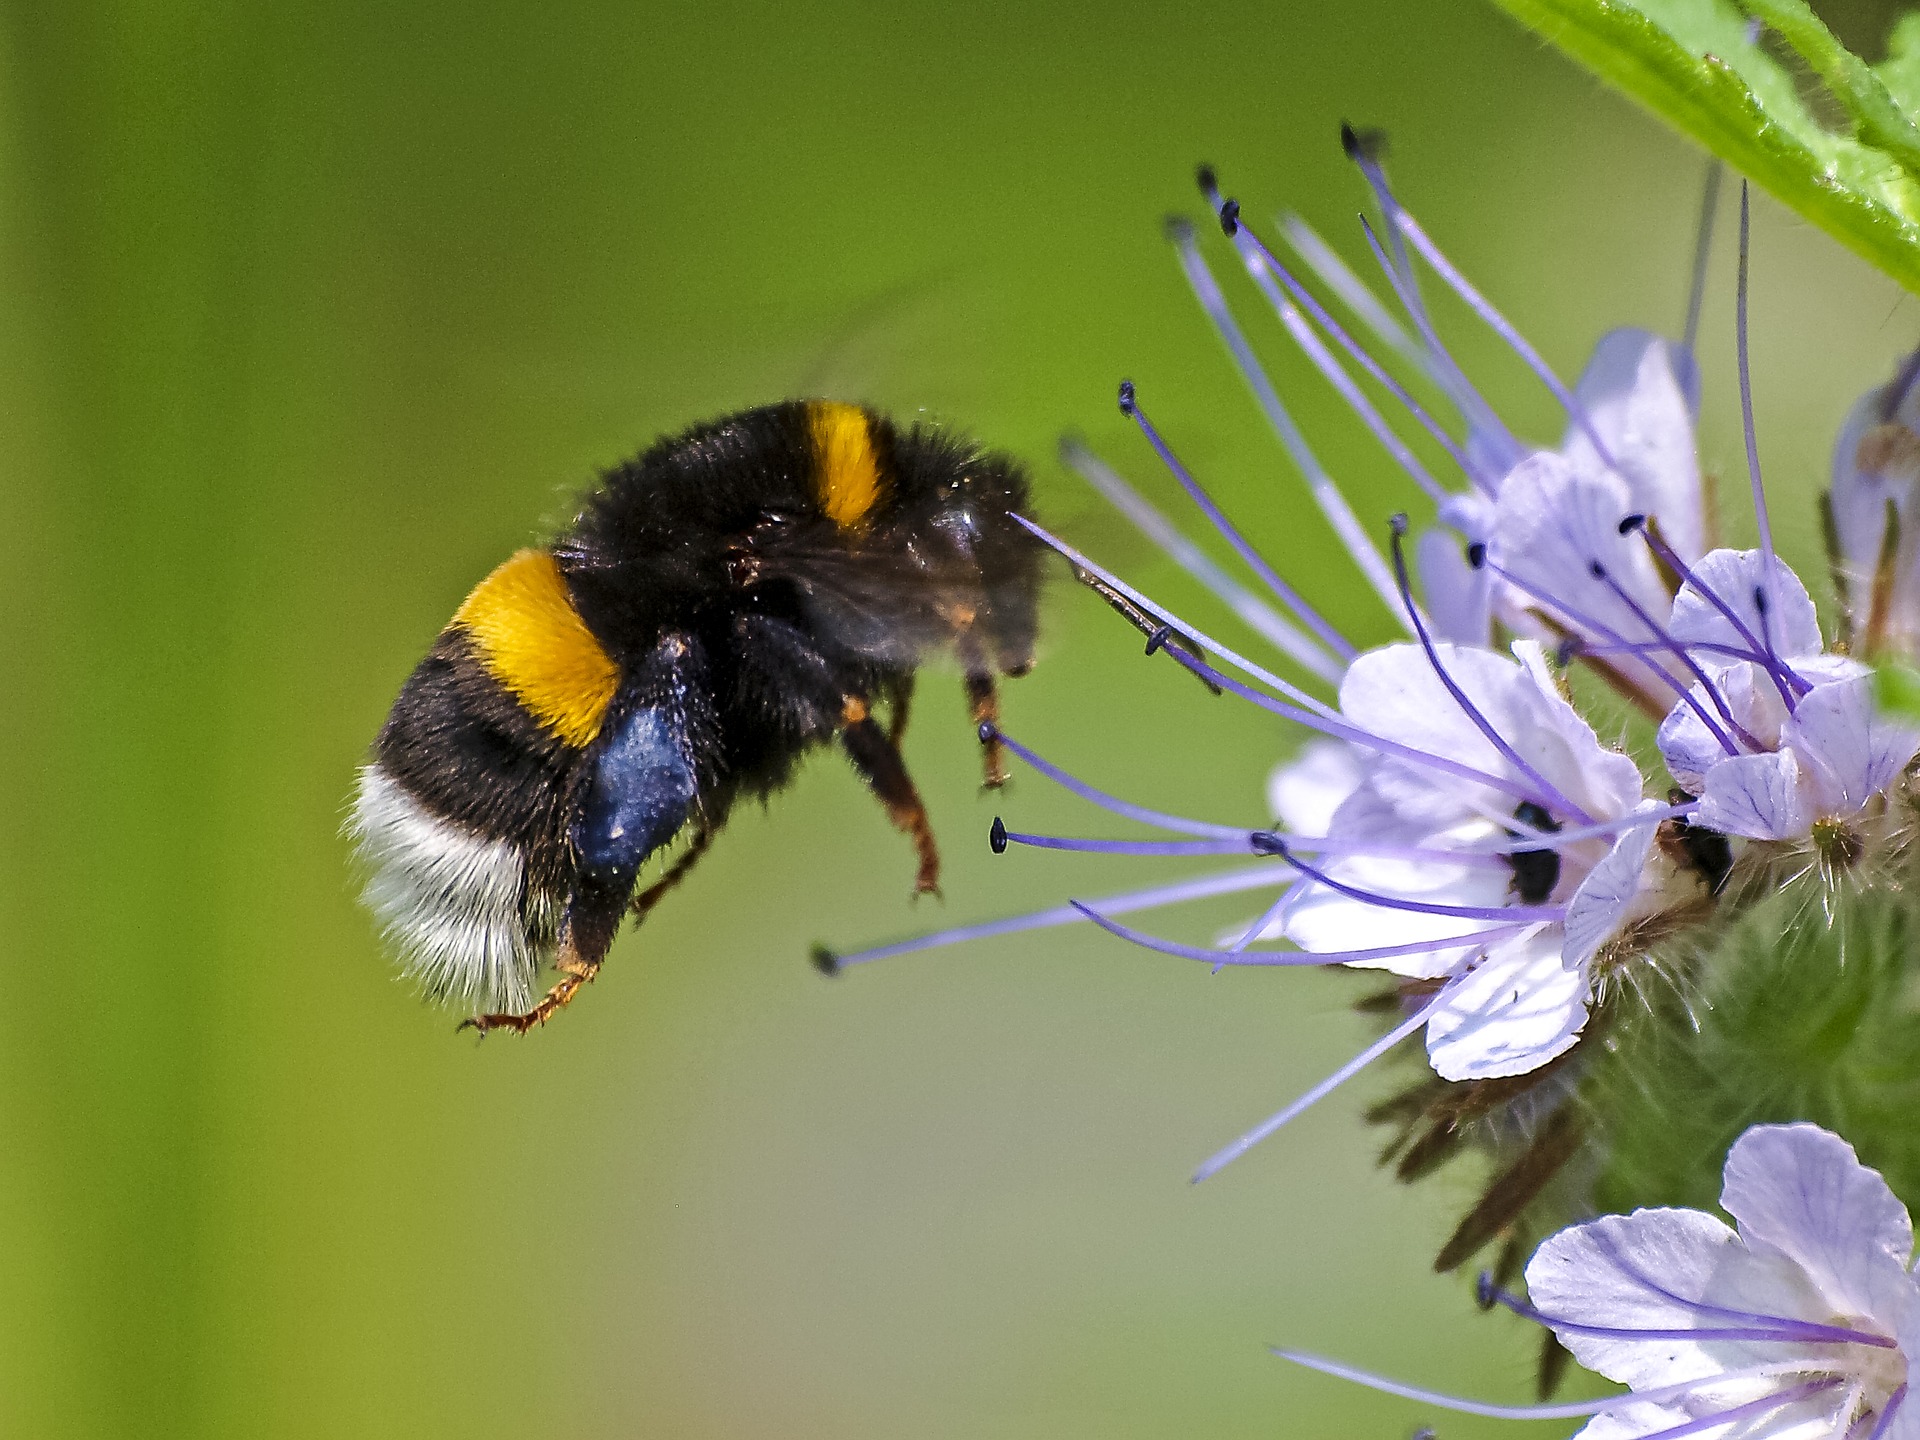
<point x="899" y="603"/>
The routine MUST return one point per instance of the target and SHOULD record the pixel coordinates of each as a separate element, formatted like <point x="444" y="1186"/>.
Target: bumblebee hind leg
<point x="876" y="757"/>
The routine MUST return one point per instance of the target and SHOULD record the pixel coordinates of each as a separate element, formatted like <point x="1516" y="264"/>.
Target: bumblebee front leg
<point x="876" y="757"/>
<point x="983" y="703"/>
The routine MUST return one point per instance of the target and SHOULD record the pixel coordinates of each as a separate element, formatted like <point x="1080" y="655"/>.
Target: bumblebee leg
<point x="900" y="707"/>
<point x="676" y="872"/>
<point x="574" y="973"/>
<point x="876" y="758"/>
<point x="983" y="703"/>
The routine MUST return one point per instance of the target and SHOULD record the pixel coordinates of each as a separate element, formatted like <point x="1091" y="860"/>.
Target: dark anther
<point x="1569" y="647"/>
<point x="987" y="733"/>
<point x="1483" y="1290"/>
<point x="1265" y="842"/>
<point x="1179" y="229"/>
<point x="1632" y="523"/>
<point x="1477" y="554"/>
<point x="1368" y="145"/>
<point x="1398" y="523"/>
<point x="1159" y="638"/>
<point x="1760" y="598"/>
<point x="1126" y="397"/>
<point x="997" y="836"/>
<point x="1230" y="216"/>
<point x="1596" y="569"/>
<point x="1535" y="872"/>
<point x="824" y="960"/>
<point x="1209" y="184"/>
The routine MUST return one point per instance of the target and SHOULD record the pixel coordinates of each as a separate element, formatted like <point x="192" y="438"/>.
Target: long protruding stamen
<point x="1702" y="253"/>
<point x="1076" y="786"/>
<point x="1257" y="260"/>
<point x="1701" y="678"/>
<point x="1480" y="722"/>
<point x="1255" y="612"/>
<point x="1527" y="913"/>
<point x="1168" y="618"/>
<point x="1292" y="439"/>
<point x="1568" y="1410"/>
<point x="1212" y="956"/>
<point x="1765" y="1328"/>
<point x="1266" y="268"/>
<point x="1746" y="411"/>
<point x="1792" y="1395"/>
<point x="1477" y="557"/>
<point x="1402" y="222"/>
<point x="1782" y="672"/>
<point x="1252" y="558"/>
<point x="1351" y="290"/>
<point x="1220" y="1159"/>
<point x="1482" y="421"/>
<point x="1000" y="837"/>
<point x="1232" y="882"/>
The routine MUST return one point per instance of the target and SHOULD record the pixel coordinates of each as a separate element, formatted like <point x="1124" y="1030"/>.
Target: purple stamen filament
<point x="1764" y="657"/>
<point x="1425" y="907"/>
<point x="1105" y="801"/>
<point x="1319" y="484"/>
<point x="1474" y="940"/>
<point x="1661" y="637"/>
<point x="1308" y="303"/>
<point x="1766" y="1327"/>
<point x="1568" y="1411"/>
<point x="1467" y="707"/>
<point x="1206" y="887"/>
<point x="1217" y="518"/>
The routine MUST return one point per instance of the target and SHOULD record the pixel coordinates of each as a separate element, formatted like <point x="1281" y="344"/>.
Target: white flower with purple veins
<point x="1799" y="1321"/>
<point x="1456" y="823"/>
<point x="1778" y="738"/>
<point x="1513" y="863"/>
<point x="1875" y="510"/>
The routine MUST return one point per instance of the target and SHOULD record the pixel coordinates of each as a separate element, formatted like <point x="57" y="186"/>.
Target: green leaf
<point x="1691" y="63"/>
<point x="1896" y="690"/>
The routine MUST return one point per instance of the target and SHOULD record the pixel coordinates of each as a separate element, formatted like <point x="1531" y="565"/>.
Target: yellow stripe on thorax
<point x="846" y="469"/>
<point x="531" y="639"/>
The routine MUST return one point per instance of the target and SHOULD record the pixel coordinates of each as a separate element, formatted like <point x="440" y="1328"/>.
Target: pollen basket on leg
<point x="454" y="904"/>
<point x="531" y="639"/>
<point x="846" y="466"/>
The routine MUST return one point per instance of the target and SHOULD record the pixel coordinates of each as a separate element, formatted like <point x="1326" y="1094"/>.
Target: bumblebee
<point x="729" y="600"/>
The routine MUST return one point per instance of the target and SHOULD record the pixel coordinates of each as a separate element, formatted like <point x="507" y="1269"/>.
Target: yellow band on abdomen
<point x="527" y="633"/>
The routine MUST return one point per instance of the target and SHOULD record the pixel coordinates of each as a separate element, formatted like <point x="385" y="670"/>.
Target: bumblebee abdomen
<point x="462" y="817"/>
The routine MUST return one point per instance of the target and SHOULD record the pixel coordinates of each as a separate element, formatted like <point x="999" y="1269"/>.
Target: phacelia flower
<point x="1800" y="1320"/>
<point x="1873" y="513"/>
<point x="1454" y="819"/>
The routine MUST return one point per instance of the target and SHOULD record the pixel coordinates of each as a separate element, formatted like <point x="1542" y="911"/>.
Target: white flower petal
<point x="1758" y="796"/>
<point x="1458" y="598"/>
<point x="1800" y="1190"/>
<point x="1855" y="753"/>
<point x="1641" y="1272"/>
<point x="1734" y="577"/>
<point x="1303" y="793"/>
<point x="1552" y="523"/>
<point x="1605" y="898"/>
<point x="1689" y="748"/>
<point x="1631" y="392"/>
<point x="1513" y="1012"/>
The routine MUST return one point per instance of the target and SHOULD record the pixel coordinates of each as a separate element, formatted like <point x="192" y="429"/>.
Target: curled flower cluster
<point x="1559" y="925"/>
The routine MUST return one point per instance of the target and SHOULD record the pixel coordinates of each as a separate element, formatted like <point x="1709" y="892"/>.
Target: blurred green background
<point x="310" y="313"/>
